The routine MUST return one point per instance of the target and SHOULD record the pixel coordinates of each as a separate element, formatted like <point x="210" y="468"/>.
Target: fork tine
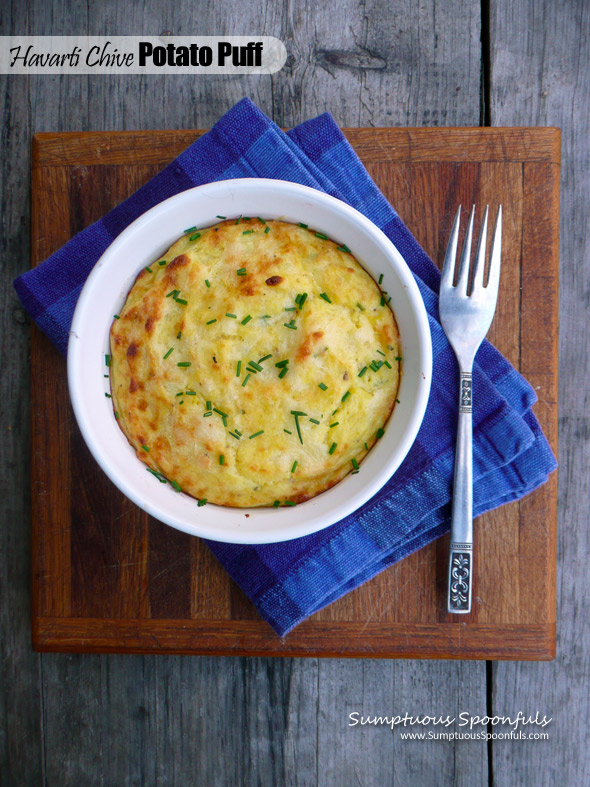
<point x="480" y="256"/>
<point x="465" y="256"/>
<point x="448" y="270"/>
<point x="494" y="274"/>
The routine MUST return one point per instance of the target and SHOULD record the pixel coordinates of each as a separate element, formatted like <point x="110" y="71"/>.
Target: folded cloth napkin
<point x="289" y="581"/>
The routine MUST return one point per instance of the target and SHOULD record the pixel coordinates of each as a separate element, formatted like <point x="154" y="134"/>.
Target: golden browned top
<point x="254" y="362"/>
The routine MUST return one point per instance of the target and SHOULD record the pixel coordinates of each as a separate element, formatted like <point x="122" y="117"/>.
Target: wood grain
<point x="129" y="585"/>
<point x="553" y="45"/>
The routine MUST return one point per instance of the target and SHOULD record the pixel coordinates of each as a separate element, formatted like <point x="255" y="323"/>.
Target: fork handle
<point x="461" y="550"/>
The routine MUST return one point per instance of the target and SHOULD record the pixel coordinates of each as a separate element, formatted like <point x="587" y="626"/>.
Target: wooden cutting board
<point x="107" y="577"/>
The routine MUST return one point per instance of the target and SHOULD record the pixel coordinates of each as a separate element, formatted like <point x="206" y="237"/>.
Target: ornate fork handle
<point x="461" y="551"/>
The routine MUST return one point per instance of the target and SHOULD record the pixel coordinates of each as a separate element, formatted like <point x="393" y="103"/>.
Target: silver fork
<point x="466" y="320"/>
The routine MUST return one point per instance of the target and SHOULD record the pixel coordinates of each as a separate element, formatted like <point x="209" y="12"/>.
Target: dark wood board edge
<point x="411" y="144"/>
<point x="254" y="638"/>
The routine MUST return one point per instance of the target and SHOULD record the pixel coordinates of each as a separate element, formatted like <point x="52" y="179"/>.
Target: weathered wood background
<point x="114" y="720"/>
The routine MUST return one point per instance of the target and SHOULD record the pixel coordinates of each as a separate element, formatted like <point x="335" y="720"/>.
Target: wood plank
<point x="314" y="637"/>
<point x="553" y="46"/>
<point x="103" y="148"/>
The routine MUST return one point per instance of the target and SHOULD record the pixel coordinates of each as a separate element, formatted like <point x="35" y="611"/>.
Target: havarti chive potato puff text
<point x="255" y="362"/>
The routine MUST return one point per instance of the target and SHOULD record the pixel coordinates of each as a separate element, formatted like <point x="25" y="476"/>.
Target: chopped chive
<point x="195" y="236"/>
<point x="159" y="476"/>
<point x="107" y="360"/>
<point x="173" y="293"/>
<point x="354" y="463"/>
<point x="179" y="334"/>
<point x="366" y="447"/>
<point x="184" y="363"/>
<point x="238" y="219"/>
<point x="176" y="485"/>
<point x="208" y="405"/>
<point x="181" y="301"/>
<point x="388" y="365"/>
<point x="362" y="371"/>
<point x="106" y="375"/>
<point x="251" y="369"/>
<point x="354" y="472"/>
<point x="221" y="456"/>
<point x="180" y="393"/>
<point x="287" y="431"/>
<point x="283" y="372"/>
<point x="343" y="247"/>
<point x="207" y="282"/>
<point x="211" y="321"/>
<point x="265" y="317"/>
<point x="373" y="366"/>
<point x="335" y="411"/>
<point x="334" y="424"/>
<point x="190" y="229"/>
<point x="298" y="430"/>
<point x="221" y="217"/>
<point x="233" y="316"/>
<point x="267" y="230"/>
<point x="397" y="358"/>
<point x="148" y="269"/>
<point x="181" y="401"/>
<point x="302" y="299"/>
<point x="246" y="378"/>
<point x="382" y="300"/>
<point x="314" y="421"/>
<point x="246" y="218"/>
<point x="238" y="368"/>
<point x="345" y="397"/>
<point x="389" y="300"/>
<point x="397" y="400"/>
<point x="379" y="433"/>
<point x="146" y="449"/>
<point x="323" y="386"/>
<point x="276" y="504"/>
<point x="116" y="316"/>
<point x="257" y="366"/>
<point x="247" y="232"/>
<point x="298" y="298"/>
<point x="241" y="271"/>
<point x="262" y="221"/>
<point x="265" y="358"/>
<point x="207" y="415"/>
<point x="256" y="434"/>
<point x="237" y="431"/>
<point x="246" y="319"/>
<point x="321" y="235"/>
<point x="237" y="436"/>
<point x="298" y="412"/>
<point x="290" y="325"/>
<point x="219" y="412"/>
<point x="291" y="309"/>
<point x="380" y="278"/>
<point x="282" y="363"/>
<point x="381" y="353"/>
<point x="294" y="466"/>
<point x="361" y="307"/>
<point x="202" y="502"/>
<point x="190" y="393"/>
<point x="289" y="503"/>
<point x="325" y="297"/>
<point x="305" y="226"/>
<point x="108" y="396"/>
<point x="161" y="262"/>
<point x="332" y="448"/>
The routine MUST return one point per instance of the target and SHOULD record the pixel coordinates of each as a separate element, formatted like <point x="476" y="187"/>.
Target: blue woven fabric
<point x="288" y="582"/>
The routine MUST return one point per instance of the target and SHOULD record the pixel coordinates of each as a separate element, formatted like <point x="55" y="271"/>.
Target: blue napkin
<point x="290" y="581"/>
